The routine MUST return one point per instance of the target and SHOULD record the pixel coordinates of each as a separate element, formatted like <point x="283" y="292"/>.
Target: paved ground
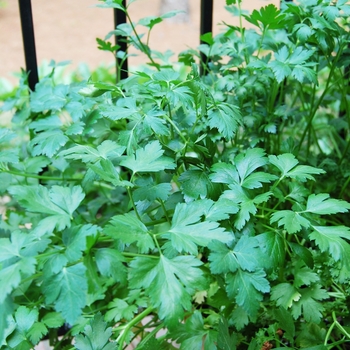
<point x="66" y="30"/>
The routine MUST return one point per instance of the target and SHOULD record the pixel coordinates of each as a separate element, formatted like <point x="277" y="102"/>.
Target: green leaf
<point x="331" y="239"/>
<point x="247" y="288"/>
<point x="186" y="233"/>
<point x="286" y="323"/>
<point x="68" y="291"/>
<point x="87" y="154"/>
<point x="309" y="304"/>
<point x="285" y="295"/>
<point x="245" y="255"/>
<point x="107" y="172"/>
<point x="36" y="332"/>
<point x="75" y="240"/>
<point x="225" y="340"/>
<point x="129" y="229"/>
<point x="221" y="209"/>
<point x="292" y="221"/>
<point x="110" y="264"/>
<point x="287" y="164"/>
<point x="195" y="183"/>
<point x="194" y="335"/>
<point x="119" y="309"/>
<point x="53" y="320"/>
<point x="239" y="317"/>
<point x="148" y="159"/>
<point x="269" y="16"/>
<point x="48" y="142"/>
<point x="58" y="203"/>
<point x="96" y="336"/>
<point x="151" y="191"/>
<point x="323" y="205"/>
<point x="226" y="118"/>
<point x="169" y="283"/>
<point x="11" y="275"/>
<point x="274" y="247"/>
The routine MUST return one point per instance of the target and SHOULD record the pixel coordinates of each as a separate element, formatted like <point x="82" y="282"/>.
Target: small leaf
<point x="323" y="205"/>
<point x="148" y="159"/>
<point x="129" y="229"/>
<point x="292" y="221"/>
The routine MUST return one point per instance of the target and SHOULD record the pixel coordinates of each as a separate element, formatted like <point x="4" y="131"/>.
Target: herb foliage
<point x="213" y="207"/>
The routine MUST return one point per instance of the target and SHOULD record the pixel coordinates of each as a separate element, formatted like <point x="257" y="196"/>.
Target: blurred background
<point x="67" y="30"/>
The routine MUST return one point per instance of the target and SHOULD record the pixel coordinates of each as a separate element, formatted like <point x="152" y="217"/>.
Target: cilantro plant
<point x="178" y="210"/>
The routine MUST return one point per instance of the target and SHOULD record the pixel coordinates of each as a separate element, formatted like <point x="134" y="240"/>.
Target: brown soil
<point x="67" y="30"/>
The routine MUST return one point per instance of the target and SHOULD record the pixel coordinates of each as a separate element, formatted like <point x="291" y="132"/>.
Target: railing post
<point x="25" y="9"/>
<point x="119" y="18"/>
<point x="206" y="25"/>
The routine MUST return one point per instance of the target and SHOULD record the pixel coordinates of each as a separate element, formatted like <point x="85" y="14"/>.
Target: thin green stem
<point x="132" y="323"/>
<point x="133" y="203"/>
<point x="41" y="177"/>
<point x="135" y="255"/>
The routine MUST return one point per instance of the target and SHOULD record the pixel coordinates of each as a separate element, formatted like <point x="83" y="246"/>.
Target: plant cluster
<point x="177" y="208"/>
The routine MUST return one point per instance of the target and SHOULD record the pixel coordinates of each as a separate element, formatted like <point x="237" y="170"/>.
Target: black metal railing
<point x="206" y="24"/>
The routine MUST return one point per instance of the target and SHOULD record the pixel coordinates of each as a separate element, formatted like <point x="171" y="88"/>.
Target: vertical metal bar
<point x="25" y="9"/>
<point x="119" y="18"/>
<point x="206" y="25"/>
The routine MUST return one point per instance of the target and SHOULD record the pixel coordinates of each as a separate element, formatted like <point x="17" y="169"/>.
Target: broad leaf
<point x="247" y="289"/>
<point x="187" y="231"/>
<point x="68" y="291"/>
<point x="169" y="283"/>
<point x="129" y="229"/>
<point x="96" y="336"/>
<point x="148" y="159"/>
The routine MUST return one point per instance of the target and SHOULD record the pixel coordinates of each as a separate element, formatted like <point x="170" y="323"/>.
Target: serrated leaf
<point x="11" y="276"/>
<point x="119" y="309"/>
<point x="37" y="332"/>
<point x="224" y="173"/>
<point x="331" y="239"/>
<point x="195" y="183"/>
<point x="96" y="336"/>
<point x="25" y="318"/>
<point x="292" y="221"/>
<point x="194" y="335"/>
<point x="107" y="172"/>
<point x="225" y="340"/>
<point x="239" y="317"/>
<point x="75" y="240"/>
<point x="68" y="291"/>
<point x="244" y="255"/>
<point x="269" y="16"/>
<point x="309" y="304"/>
<point x="87" y="154"/>
<point x="186" y="232"/>
<point x="53" y="320"/>
<point x="323" y="205"/>
<point x="148" y="159"/>
<point x="287" y="164"/>
<point x="285" y="295"/>
<point x="169" y="283"/>
<point x="286" y="323"/>
<point x="48" y="142"/>
<point x="151" y="191"/>
<point x="247" y="288"/>
<point x="225" y="118"/>
<point x="129" y="229"/>
<point x="221" y="209"/>
<point x="110" y="264"/>
<point x="274" y="247"/>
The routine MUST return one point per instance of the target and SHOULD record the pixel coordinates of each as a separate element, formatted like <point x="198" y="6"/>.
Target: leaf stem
<point x="131" y="324"/>
<point x="41" y="177"/>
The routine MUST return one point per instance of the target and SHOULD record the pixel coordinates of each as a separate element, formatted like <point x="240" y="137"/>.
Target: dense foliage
<point x="211" y="207"/>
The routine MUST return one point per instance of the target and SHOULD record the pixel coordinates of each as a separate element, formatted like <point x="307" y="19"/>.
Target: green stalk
<point x="41" y="177"/>
<point x="133" y="203"/>
<point x="140" y="43"/>
<point x="131" y="324"/>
